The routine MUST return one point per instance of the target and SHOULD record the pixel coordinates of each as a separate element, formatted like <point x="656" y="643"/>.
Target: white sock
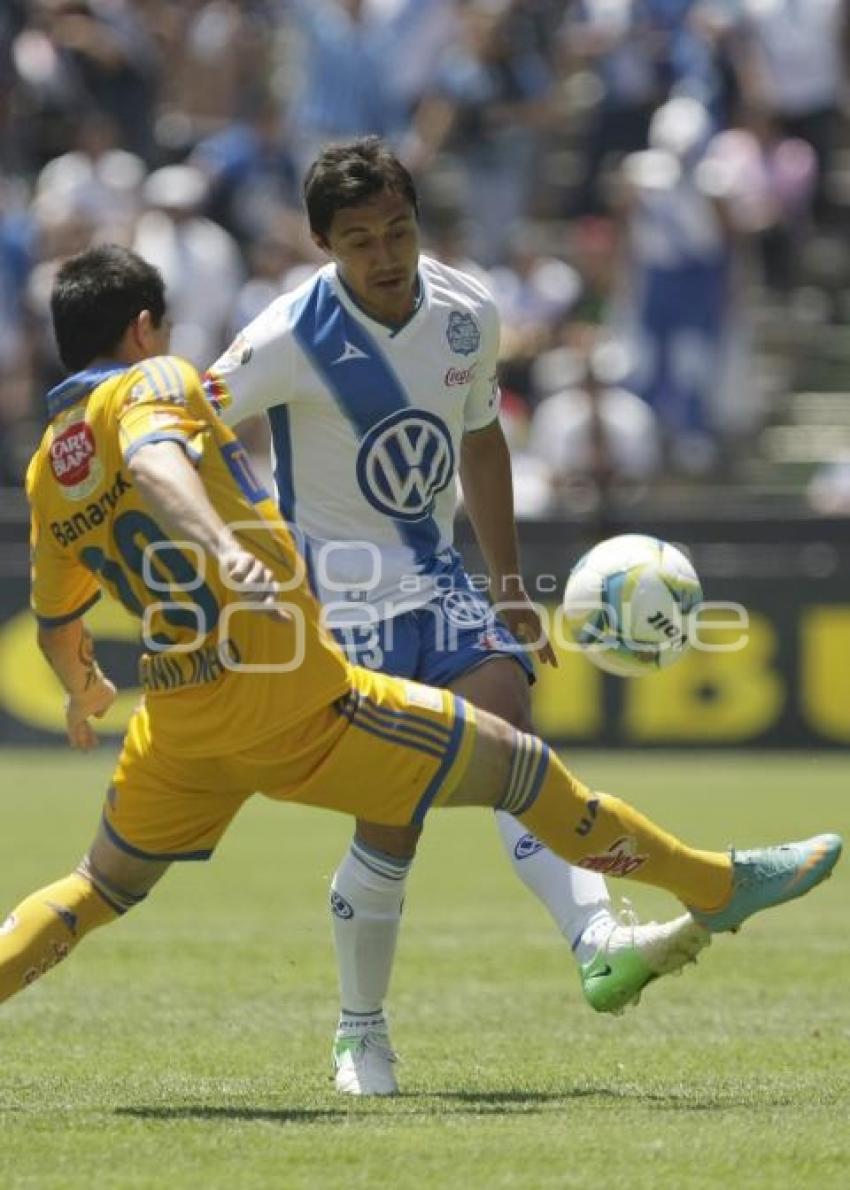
<point x="578" y="900"/>
<point x="367" y="893"/>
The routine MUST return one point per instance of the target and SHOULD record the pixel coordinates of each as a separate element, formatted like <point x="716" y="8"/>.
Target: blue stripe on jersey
<point x="239" y="466"/>
<point x="282" y="442"/>
<point x="66" y="394"/>
<point x="362" y="382"/>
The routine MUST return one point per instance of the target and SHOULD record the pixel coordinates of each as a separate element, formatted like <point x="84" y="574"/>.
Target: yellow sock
<point x="45" y="927"/>
<point x="604" y="834"/>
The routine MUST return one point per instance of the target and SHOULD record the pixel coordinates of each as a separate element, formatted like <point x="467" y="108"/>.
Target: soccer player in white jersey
<point x="378" y="377"/>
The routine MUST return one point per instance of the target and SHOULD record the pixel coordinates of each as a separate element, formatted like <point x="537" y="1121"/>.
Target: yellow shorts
<point x="385" y="752"/>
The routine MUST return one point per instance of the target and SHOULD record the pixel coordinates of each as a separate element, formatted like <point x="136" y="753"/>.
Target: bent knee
<point x="398" y="841"/>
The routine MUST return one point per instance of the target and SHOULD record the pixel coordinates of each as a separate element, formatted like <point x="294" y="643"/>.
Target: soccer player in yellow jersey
<point x="138" y="488"/>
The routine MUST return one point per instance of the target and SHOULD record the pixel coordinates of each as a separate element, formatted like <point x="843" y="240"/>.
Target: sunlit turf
<point x="188" y="1045"/>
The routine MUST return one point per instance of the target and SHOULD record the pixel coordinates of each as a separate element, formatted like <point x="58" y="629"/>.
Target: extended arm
<point x="170" y="486"/>
<point x="485" y="473"/>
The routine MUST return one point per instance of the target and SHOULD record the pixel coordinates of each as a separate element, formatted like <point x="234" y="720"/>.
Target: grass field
<point x="188" y="1045"/>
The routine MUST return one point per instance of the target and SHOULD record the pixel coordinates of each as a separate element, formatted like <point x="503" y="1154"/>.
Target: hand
<point x="252" y="579"/>
<point x="95" y="701"/>
<point x="523" y="619"/>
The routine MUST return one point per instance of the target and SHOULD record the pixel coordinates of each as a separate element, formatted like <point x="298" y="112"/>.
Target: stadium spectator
<point x="791" y="61"/>
<point x="102" y="54"/>
<point x="199" y="260"/>
<point x="593" y="434"/>
<point x="488" y="103"/>
<point x="250" y="171"/>
<point x="768" y="181"/>
<point x="17" y="256"/>
<point x="346" y="82"/>
<point x="96" y="179"/>
<point x="679" y="318"/>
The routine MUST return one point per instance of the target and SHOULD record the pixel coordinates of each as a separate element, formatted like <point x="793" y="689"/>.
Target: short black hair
<point x="95" y="297"/>
<point x="349" y="174"/>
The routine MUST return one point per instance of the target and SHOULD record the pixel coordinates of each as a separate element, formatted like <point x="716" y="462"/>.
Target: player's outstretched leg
<point x="602" y="833"/>
<point x="45" y="928"/>
<point x="616" y="955"/>
<point x="367" y="894"/>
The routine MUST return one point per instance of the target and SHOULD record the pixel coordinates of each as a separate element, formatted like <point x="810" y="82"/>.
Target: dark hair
<point x="350" y="174"/>
<point x="96" y="295"/>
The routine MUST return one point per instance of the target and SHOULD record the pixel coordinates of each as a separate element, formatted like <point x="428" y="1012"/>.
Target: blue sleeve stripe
<point x="151" y="377"/>
<point x="172" y="375"/>
<point x="123" y="845"/>
<point x="58" y="621"/>
<point x="449" y="757"/>
<point x="160" y="436"/>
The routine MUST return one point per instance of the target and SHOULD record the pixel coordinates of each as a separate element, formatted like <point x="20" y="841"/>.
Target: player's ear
<point x="146" y="331"/>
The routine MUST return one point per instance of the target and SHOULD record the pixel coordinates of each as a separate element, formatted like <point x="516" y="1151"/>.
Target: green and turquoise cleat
<point x="770" y="876"/>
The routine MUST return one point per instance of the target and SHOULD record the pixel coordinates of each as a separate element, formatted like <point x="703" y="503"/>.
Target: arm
<point x="485" y="473"/>
<point x="170" y="486"/>
<point x="69" y="650"/>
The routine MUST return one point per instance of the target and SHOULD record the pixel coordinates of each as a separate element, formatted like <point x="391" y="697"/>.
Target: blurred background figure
<point x="487" y="105"/>
<point x="599" y="441"/>
<point x="199" y="260"/>
<point x="791" y="62"/>
<point x="679" y="314"/>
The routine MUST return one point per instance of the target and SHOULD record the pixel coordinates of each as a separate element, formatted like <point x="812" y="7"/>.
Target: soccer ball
<point x="628" y="603"/>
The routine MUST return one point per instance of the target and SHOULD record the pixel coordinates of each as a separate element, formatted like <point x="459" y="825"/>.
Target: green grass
<point x="188" y="1045"/>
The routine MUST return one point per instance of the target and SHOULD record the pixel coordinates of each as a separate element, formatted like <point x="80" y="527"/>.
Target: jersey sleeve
<point x="164" y="404"/>
<point x="485" y="397"/>
<point x="61" y="589"/>
<point x="255" y="373"/>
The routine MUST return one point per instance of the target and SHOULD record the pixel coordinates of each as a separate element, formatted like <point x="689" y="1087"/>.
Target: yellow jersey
<point x="215" y="668"/>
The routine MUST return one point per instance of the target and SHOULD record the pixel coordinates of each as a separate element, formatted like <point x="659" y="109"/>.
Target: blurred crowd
<point x="629" y="177"/>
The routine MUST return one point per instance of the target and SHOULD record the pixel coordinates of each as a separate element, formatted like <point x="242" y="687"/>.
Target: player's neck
<point x="394" y="320"/>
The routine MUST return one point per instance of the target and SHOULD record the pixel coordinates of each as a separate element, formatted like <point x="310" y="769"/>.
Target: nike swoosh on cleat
<point x="603" y="974"/>
<point x="810" y="863"/>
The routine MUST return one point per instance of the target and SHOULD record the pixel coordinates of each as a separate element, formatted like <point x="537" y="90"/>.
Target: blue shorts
<point x="437" y="643"/>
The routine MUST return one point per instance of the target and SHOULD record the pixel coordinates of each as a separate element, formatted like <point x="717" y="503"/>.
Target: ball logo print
<point x="404" y="462"/>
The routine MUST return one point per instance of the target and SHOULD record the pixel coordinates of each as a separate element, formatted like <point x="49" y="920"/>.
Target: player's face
<point x="376" y="249"/>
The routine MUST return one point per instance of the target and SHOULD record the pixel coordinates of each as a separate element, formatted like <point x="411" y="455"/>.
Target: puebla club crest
<point x="462" y="333"/>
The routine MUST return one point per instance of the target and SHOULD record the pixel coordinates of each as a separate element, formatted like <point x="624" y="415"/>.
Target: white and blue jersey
<point x="366" y="424"/>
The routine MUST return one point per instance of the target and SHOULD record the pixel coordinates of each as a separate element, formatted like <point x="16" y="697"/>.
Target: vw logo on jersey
<point x="462" y="333"/>
<point x="465" y="609"/>
<point x="527" y="846"/>
<point x="404" y="462"/>
<point x="340" y="907"/>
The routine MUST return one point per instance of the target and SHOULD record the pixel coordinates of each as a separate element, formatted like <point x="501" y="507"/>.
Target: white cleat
<point x="364" y="1062"/>
<point x="633" y="955"/>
